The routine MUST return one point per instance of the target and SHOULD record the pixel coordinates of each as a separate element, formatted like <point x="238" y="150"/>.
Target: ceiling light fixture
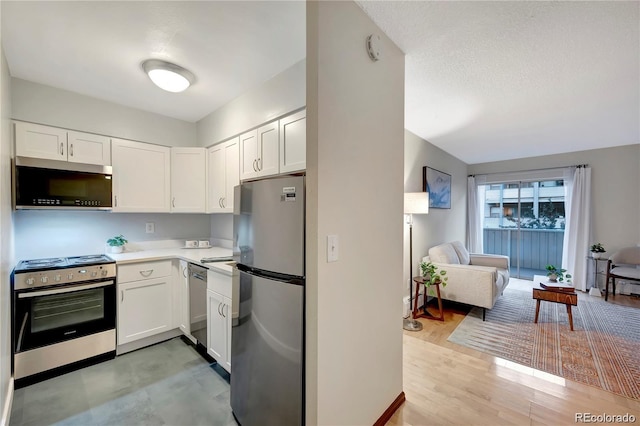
<point x="168" y="76"/>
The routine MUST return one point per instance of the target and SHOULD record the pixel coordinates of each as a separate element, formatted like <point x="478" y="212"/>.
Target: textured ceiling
<point x="96" y="47"/>
<point x="488" y="81"/>
<point x="485" y="81"/>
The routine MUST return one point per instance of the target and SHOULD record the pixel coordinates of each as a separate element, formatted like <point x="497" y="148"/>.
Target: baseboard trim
<point x="8" y="402"/>
<point x="384" y="418"/>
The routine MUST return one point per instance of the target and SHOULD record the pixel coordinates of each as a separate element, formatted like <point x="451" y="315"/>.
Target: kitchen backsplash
<point x="47" y="233"/>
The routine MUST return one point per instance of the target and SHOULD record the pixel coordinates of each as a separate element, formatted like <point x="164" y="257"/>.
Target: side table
<point x="568" y="298"/>
<point x="425" y="313"/>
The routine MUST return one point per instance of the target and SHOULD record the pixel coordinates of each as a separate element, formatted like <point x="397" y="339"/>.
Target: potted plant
<point x="432" y="276"/>
<point x="557" y="274"/>
<point x="117" y="243"/>
<point x="596" y="250"/>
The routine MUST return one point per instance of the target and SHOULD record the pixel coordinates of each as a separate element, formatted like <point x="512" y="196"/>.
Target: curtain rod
<point x="577" y="166"/>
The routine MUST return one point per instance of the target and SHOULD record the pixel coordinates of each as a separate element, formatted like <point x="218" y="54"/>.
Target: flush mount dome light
<point x="168" y="76"/>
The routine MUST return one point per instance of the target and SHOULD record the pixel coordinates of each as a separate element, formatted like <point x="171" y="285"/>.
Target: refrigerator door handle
<point x="276" y="276"/>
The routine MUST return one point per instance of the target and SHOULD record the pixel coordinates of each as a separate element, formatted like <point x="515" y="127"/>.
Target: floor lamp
<point x="414" y="203"/>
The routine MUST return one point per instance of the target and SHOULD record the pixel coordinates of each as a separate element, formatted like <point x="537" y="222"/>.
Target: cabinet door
<point x="232" y="172"/>
<point x="141" y="177"/>
<point x="267" y="163"/>
<point x="144" y="309"/>
<point x="216" y="328"/>
<point x="37" y="141"/>
<point x="293" y="142"/>
<point x="216" y="172"/>
<point x="183" y="309"/>
<point x="226" y="310"/>
<point x="188" y="180"/>
<point x="248" y="155"/>
<point x="89" y="149"/>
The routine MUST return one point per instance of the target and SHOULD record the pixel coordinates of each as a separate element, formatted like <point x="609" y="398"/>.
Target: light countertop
<point x="189" y="255"/>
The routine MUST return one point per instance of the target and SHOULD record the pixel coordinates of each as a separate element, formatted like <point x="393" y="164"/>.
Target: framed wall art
<point x="438" y="185"/>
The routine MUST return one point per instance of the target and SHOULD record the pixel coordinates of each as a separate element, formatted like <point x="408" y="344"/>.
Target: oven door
<point x="56" y="314"/>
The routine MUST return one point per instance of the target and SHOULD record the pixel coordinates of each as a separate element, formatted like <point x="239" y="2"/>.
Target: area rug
<point x="602" y="351"/>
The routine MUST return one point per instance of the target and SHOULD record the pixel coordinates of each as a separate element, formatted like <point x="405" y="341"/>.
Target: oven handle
<point x="65" y="289"/>
<point x="21" y="335"/>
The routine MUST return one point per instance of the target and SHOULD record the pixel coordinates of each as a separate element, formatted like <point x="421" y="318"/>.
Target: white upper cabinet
<point x="89" y="149"/>
<point x="267" y="161"/>
<point x="223" y="174"/>
<point x="141" y="177"/>
<point x="38" y="141"/>
<point x="259" y="152"/>
<point x="293" y="142"/>
<point x="188" y="180"/>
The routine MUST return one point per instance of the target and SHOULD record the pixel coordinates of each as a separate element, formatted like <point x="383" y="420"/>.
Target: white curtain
<point x="578" y="225"/>
<point x="474" y="217"/>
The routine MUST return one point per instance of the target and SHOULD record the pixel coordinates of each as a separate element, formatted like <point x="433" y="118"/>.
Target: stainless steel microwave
<point x="52" y="184"/>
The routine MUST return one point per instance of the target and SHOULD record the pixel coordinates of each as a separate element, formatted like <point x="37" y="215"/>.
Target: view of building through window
<point x="525" y="221"/>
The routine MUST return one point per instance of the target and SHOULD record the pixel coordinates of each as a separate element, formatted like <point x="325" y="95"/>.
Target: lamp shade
<point x="416" y="202"/>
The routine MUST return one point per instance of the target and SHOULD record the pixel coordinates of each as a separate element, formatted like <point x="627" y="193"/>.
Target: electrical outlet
<point x="150" y="227"/>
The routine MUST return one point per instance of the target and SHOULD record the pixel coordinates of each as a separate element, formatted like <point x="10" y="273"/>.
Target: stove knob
<point x="94" y="273"/>
<point x="44" y="280"/>
<point x="104" y="272"/>
<point x="70" y="277"/>
<point x="30" y="281"/>
<point x="58" y="277"/>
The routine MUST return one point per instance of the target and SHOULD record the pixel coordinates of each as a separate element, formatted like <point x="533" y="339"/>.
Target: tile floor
<point x="164" y="384"/>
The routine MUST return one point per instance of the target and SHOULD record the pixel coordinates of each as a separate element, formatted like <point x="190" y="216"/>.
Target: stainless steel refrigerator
<point x="267" y="343"/>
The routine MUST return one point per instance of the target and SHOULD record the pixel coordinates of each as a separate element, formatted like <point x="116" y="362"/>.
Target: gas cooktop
<point x="62" y="263"/>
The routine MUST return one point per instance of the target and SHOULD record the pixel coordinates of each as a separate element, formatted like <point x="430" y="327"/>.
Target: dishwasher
<point x="198" y="303"/>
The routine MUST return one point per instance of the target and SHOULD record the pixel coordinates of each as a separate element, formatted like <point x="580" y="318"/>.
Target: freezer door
<point x="269" y="225"/>
<point x="267" y="353"/>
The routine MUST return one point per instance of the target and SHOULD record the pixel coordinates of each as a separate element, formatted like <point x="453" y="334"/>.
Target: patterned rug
<point x="602" y="351"/>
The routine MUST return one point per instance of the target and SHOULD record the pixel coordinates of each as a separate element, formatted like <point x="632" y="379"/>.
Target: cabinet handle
<point x="71" y="150"/>
<point x="122" y="295"/>
<point x="225" y="306"/>
<point x="223" y="206"/>
<point x="61" y="148"/>
<point x="146" y="273"/>
<point x="173" y="202"/>
<point x="184" y="272"/>
<point x="219" y="306"/>
<point x="259" y="164"/>
<point x="255" y="169"/>
<point x="116" y="197"/>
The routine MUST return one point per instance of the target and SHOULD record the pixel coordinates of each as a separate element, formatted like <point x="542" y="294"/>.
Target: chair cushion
<point x="626" y="272"/>
<point x="444" y="253"/>
<point x="463" y="254"/>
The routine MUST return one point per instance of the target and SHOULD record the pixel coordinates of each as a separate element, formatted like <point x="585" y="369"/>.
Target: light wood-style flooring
<point x="448" y="384"/>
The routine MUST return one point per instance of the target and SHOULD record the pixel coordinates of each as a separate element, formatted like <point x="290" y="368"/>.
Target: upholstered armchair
<point x="474" y="279"/>
<point x="622" y="264"/>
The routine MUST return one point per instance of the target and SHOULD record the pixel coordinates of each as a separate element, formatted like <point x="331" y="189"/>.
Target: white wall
<point x="440" y="225"/>
<point x="56" y="107"/>
<point x="276" y="97"/>
<point x="615" y="179"/>
<point x="355" y="144"/>
<point x="46" y="233"/>
<point x="6" y="233"/>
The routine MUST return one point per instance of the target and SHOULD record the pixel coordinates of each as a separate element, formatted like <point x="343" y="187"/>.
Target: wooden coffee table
<point x="569" y="298"/>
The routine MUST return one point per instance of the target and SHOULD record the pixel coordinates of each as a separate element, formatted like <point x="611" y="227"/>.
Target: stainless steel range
<point x="64" y="312"/>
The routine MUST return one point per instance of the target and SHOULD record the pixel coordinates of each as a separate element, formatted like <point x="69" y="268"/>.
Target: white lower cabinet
<point x="181" y="298"/>
<point x="145" y="300"/>
<point x="219" y="311"/>
<point x="144" y="308"/>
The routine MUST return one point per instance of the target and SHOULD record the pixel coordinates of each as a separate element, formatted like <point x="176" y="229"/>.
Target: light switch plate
<point x="332" y="248"/>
